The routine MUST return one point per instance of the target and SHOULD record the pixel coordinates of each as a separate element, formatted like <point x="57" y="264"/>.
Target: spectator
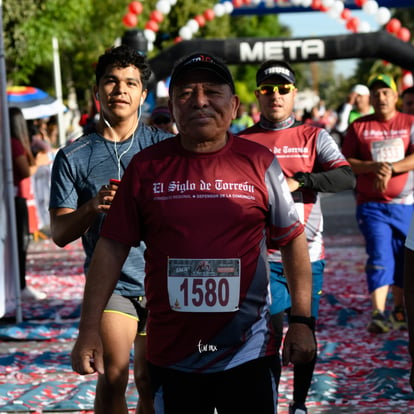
<point x="43" y="150"/>
<point x="24" y="166"/>
<point x="357" y="105"/>
<point x="204" y="202"/>
<point x="254" y="112"/>
<point x="407" y="101"/>
<point x="380" y="148"/>
<point x="161" y="118"/>
<point x="242" y="121"/>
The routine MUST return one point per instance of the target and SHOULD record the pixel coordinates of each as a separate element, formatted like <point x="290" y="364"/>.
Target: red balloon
<point x="316" y="4"/>
<point x="360" y="3"/>
<point x="209" y="14"/>
<point x="352" y="24"/>
<point x="404" y="34"/>
<point x="201" y="20"/>
<point x="237" y="3"/>
<point x="247" y="2"/>
<point x="393" y="26"/>
<point x="157" y="16"/>
<point x="130" y="20"/>
<point x="346" y="14"/>
<point x="152" y="25"/>
<point x="178" y="39"/>
<point x="135" y="7"/>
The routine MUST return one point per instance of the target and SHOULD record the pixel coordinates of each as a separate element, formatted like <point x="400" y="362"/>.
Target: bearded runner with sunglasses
<point x="312" y="163"/>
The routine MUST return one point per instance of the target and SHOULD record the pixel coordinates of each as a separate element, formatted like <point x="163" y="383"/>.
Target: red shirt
<point x="369" y="139"/>
<point x="207" y="215"/>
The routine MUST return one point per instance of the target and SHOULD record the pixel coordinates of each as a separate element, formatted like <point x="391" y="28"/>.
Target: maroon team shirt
<point x="308" y="149"/>
<point x="368" y="139"/>
<point x="205" y="220"/>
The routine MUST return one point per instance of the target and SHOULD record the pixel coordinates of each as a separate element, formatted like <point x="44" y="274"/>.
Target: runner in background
<point x="380" y="149"/>
<point x="81" y="195"/>
<point x="311" y="163"/>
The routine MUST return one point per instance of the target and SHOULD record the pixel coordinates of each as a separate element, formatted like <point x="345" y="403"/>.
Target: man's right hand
<point x="103" y="199"/>
<point x="87" y="354"/>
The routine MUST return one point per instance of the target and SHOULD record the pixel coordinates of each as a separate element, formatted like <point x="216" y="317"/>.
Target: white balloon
<point x="228" y="7"/>
<point x="163" y="6"/>
<point x="173" y="2"/>
<point x="383" y="15"/>
<point x="370" y="7"/>
<point x="328" y="3"/>
<point x="364" y="27"/>
<point x="150" y="35"/>
<point x="256" y="2"/>
<point x="150" y="46"/>
<point x="193" y="25"/>
<point x="219" y="10"/>
<point x="333" y="13"/>
<point x="185" y="33"/>
<point x="338" y="7"/>
<point x="296" y="2"/>
<point x="306" y="3"/>
<point x="408" y="79"/>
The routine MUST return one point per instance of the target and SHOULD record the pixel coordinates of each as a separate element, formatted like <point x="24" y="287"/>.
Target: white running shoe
<point x="30" y="293"/>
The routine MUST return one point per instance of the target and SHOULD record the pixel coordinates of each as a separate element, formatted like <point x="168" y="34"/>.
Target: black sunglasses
<point x="271" y="89"/>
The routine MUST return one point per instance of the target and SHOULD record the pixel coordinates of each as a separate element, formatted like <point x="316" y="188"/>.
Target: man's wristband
<point x="302" y="179"/>
<point x="307" y="320"/>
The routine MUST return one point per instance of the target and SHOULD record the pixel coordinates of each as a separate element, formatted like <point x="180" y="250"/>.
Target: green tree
<point x="85" y="28"/>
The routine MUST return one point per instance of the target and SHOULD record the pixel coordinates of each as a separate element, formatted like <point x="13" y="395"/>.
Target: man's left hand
<point x="299" y="346"/>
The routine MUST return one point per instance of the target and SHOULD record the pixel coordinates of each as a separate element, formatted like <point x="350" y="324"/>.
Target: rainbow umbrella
<point x="33" y="102"/>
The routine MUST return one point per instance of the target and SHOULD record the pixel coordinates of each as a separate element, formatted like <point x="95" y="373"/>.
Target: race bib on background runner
<point x="390" y="150"/>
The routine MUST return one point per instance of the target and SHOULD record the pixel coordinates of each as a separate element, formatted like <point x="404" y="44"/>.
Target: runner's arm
<point x="299" y="345"/>
<point x="331" y="181"/>
<point x="67" y="224"/>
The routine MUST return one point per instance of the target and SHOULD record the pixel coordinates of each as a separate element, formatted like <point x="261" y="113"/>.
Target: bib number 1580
<point x="205" y="291"/>
<point x="205" y="294"/>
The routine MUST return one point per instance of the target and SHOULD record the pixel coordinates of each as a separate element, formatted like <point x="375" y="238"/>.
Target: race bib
<point x="204" y="285"/>
<point x="390" y="150"/>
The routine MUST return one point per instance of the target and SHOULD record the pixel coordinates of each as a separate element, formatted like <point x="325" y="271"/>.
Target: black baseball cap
<point x="275" y="68"/>
<point x="201" y="61"/>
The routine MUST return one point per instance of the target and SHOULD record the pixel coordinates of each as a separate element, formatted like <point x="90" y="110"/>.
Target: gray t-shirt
<point x="80" y="169"/>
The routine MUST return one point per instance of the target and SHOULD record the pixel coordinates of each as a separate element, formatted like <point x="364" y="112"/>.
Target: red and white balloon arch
<point x="334" y="8"/>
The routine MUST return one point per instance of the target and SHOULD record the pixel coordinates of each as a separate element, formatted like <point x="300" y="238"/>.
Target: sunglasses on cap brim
<point x="271" y="89"/>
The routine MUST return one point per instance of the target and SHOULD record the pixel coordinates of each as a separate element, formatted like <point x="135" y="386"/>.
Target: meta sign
<point x="293" y="50"/>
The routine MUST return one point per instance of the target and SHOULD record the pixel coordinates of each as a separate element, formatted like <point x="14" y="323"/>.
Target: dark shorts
<point x="247" y="389"/>
<point x="133" y="307"/>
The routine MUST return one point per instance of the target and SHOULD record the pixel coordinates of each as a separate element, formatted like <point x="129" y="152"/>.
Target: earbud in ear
<point x="142" y="100"/>
<point x="97" y="95"/>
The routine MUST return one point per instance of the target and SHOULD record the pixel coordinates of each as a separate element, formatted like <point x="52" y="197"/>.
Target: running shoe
<point x="398" y="319"/>
<point x="297" y="408"/>
<point x="30" y="293"/>
<point x="379" y="323"/>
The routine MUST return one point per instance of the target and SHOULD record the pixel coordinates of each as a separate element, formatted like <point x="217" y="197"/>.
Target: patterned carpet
<point x="357" y="372"/>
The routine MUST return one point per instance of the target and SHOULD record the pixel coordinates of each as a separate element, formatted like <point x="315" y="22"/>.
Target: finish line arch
<point x="377" y="45"/>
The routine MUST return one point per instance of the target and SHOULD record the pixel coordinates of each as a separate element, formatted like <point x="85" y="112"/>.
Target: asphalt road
<point x="339" y="213"/>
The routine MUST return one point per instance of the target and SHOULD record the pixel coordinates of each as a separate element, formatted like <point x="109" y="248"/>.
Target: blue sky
<point x="320" y="24"/>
